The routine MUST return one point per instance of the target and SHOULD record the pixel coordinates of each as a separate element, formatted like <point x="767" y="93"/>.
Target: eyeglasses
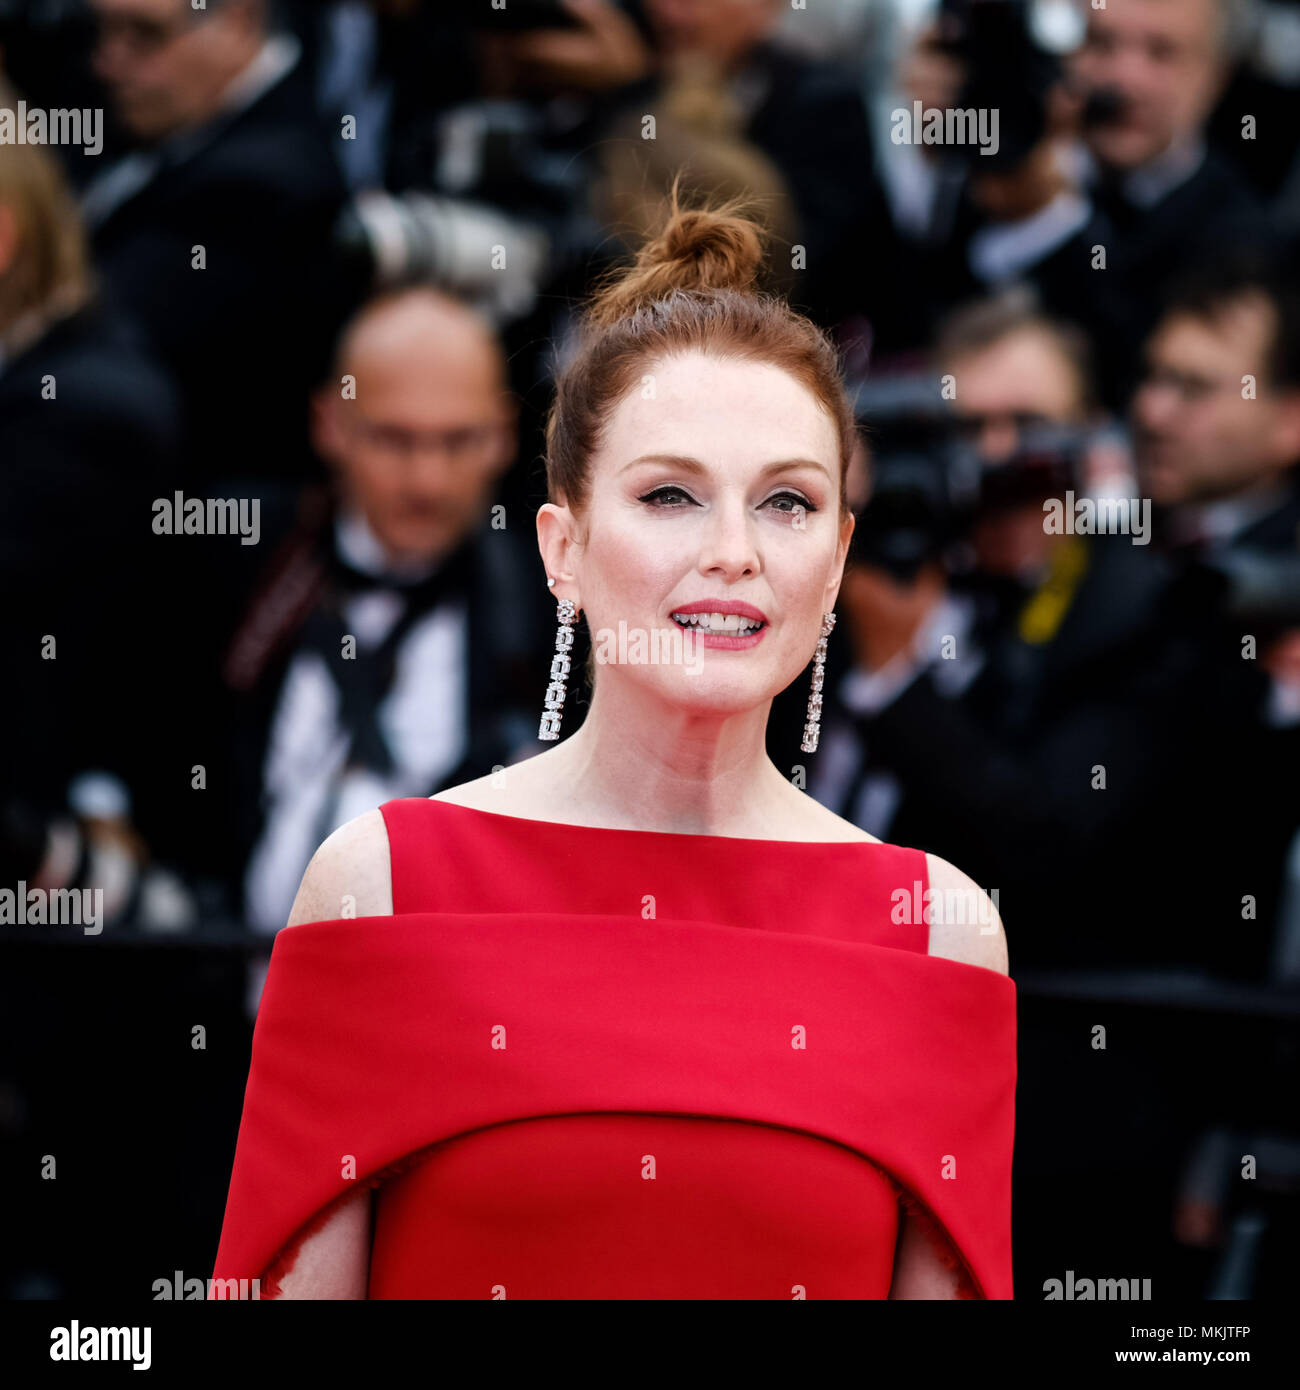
<point x="1188" y="388"/>
<point x="969" y="427"/>
<point x="468" y="443"/>
<point x="145" y="34"/>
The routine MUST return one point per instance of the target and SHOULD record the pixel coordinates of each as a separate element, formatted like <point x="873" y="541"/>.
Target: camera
<point x="1007" y="71"/>
<point x="929" y="483"/>
<point x="392" y="240"/>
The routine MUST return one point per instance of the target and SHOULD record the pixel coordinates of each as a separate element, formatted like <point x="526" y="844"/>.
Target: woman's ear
<point x="847" y="525"/>
<point x="557" y="542"/>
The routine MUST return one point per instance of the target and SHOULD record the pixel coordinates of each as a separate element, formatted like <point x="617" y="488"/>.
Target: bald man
<point x="395" y="645"/>
<point x="417" y="422"/>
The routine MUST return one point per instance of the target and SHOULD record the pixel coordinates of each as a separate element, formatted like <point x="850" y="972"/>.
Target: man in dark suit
<point x="215" y="231"/>
<point x="1026" y="223"/>
<point x="396" y="642"/>
<point x="1005" y="202"/>
<point x="1217" y="412"/>
<point x="1150" y="74"/>
<point x="1217" y="433"/>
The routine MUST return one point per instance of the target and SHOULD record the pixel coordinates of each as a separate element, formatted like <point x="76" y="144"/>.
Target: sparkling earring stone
<point x="549" y="729"/>
<point x="812" y="727"/>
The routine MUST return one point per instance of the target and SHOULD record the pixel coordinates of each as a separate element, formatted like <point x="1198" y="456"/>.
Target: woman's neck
<point x="638" y="762"/>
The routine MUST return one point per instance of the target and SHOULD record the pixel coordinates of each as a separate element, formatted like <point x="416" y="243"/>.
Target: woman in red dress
<point x="636" y="1017"/>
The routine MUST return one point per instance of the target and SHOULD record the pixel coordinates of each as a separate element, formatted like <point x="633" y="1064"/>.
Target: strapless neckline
<point x="662" y="834"/>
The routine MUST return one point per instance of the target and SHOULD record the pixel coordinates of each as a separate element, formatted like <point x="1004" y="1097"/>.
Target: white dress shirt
<point x="308" y="790"/>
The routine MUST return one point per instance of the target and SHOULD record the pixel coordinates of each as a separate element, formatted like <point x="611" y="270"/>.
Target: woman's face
<point x="715" y="487"/>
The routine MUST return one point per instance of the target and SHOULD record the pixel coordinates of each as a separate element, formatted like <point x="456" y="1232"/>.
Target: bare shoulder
<point x="523" y="788"/>
<point x="351" y="872"/>
<point x="482" y="794"/>
<point x="824" y="825"/>
<point x="845" y="830"/>
<point x="964" y="922"/>
<point x="837" y="830"/>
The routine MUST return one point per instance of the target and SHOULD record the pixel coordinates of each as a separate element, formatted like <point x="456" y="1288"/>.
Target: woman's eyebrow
<point x="694" y="465"/>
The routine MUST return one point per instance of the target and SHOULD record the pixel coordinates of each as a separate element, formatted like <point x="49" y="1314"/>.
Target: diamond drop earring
<point x="812" y="729"/>
<point x="568" y="615"/>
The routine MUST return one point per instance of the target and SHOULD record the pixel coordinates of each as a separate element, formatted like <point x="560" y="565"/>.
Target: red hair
<point x="691" y="288"/>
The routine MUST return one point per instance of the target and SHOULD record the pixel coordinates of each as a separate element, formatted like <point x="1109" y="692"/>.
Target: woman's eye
<point x="671" y="496"/>
<point x="659" y="495"/>
<point x="797" y="502"/>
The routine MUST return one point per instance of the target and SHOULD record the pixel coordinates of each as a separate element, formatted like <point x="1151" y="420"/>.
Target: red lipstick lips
<point x="735" y="636"/>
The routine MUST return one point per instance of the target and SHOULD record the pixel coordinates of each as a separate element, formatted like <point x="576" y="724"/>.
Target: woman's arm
<point x="919" y="1268"/>
<point x="334" y="1262"/>
<point x="350" y="872"/>
<point x="964" y="926"/>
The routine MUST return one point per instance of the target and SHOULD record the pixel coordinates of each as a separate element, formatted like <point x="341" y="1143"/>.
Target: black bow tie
<point x="450" y="577"/>
<point x="366" y="679"/>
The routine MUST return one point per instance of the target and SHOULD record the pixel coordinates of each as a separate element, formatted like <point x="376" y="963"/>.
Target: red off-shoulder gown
<point x="594" y="1063"/>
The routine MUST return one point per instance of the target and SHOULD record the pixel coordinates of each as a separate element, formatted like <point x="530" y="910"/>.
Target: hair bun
<point x="701" y="248"/>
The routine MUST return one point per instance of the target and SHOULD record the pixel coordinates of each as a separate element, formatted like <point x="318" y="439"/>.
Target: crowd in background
<point x="322" y="273"/>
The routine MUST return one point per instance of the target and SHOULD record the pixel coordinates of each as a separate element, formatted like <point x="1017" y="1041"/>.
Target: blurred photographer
<point x="1147" y="77"/>
<point x="1217" y="434"/>
<point x="1217" y="413"/>
<point x="468" y="129"/>
<point x="1020" y="214"/>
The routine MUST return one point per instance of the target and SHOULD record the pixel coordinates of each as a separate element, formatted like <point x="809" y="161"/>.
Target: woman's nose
<point x="729" y="545"/>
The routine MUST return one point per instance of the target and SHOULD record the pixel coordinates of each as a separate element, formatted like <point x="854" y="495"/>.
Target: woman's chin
<point x="713" y="692"/>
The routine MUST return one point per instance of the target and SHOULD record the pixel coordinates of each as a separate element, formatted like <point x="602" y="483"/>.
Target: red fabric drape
<point x="375" y="1039"/>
